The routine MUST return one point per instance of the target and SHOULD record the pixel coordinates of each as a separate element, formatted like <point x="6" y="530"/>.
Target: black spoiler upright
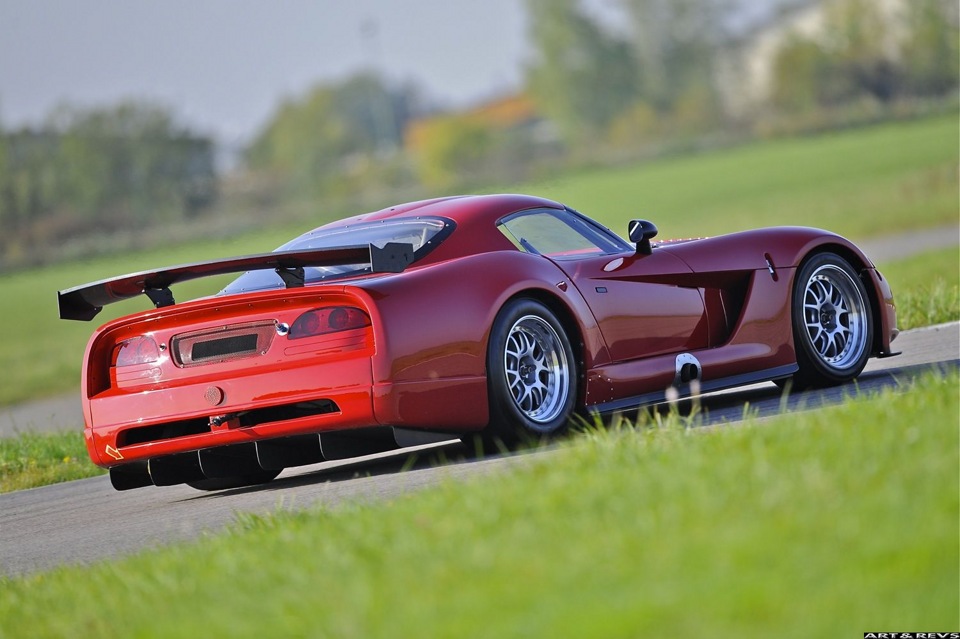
<point x="85" y="301"/>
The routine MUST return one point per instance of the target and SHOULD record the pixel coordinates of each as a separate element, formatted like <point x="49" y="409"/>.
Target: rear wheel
<point x="531" y="372"/>
<point x="832" y="322"/>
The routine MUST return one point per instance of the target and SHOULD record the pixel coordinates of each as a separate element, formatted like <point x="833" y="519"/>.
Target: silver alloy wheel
<point x="537" y="369"/>
<point x="834" y="315"/>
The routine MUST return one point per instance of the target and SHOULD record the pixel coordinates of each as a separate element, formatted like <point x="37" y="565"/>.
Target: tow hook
<point x="224" y="422"/>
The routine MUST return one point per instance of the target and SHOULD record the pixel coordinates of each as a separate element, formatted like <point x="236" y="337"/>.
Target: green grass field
<point x="926" y="288"/>
<point x="826" y="523"/>
<point x="39" y="459"/>
<point x="858" y="183"/>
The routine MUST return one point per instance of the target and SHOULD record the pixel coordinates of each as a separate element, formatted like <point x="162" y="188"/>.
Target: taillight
<point x="321" y="321"/>
<point x="136" y="350"/>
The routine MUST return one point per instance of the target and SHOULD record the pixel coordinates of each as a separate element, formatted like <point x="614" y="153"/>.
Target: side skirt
<point x="684" y="390"/>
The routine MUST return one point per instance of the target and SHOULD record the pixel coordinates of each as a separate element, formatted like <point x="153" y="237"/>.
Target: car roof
<point x="475" y="217"/>
<point x="462" y="209"/>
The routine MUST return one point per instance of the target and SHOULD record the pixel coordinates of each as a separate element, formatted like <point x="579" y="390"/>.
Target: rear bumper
<point x="124" y="426"/>
<point x="127" y="426"/>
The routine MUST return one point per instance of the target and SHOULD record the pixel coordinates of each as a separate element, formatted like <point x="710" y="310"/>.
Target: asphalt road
<point x="87" y="521"/>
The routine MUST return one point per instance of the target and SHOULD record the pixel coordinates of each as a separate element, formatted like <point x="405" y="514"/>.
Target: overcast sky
<point x="223" y="65"/>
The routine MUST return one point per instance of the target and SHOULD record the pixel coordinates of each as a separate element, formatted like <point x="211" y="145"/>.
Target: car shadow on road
<point x="392" y="463"/>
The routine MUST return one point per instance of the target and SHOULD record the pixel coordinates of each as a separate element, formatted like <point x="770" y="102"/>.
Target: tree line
<point x="863" y="52"/>
<point x="640" y="73"/>
<point x="659" y="73"/>
<point x="99" y="170"/>
<point x="646" y="72"/>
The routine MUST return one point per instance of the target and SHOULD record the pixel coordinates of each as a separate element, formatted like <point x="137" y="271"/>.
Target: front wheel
<point x="531" y="372"/>
<point x="832" y="322"/>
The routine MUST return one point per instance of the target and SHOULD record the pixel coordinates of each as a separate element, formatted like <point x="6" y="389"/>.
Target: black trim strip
<point x="658" y="397"/>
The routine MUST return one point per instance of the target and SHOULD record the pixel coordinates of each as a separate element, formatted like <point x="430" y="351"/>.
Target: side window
<point x="556" y="234"/>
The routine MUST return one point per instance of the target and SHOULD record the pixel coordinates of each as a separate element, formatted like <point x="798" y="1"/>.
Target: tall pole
<point x="381" y="109"/>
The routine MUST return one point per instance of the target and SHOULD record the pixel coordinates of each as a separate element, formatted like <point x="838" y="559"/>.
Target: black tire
<point x="832" y="322"/>
<point x="531" y="373"/>
<point x="224" y="483"/>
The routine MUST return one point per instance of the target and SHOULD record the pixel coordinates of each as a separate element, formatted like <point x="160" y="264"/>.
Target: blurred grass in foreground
<point x="814" y="524"/>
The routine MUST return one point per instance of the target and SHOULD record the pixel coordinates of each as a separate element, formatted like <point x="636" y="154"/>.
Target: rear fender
<point x="435" y="321"/>
<point x="434" y="327"/>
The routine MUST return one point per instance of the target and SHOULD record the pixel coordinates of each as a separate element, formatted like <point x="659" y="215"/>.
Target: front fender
<point x="785" y="247"/>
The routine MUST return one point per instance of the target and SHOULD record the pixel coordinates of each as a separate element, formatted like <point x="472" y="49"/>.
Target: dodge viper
<point x="494" y="316"/>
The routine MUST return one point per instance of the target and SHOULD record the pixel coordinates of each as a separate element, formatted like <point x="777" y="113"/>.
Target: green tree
<point x="90" y="170"/>
<point x="303" y="140"/>
<point x="7" y="213"/>
<point x="861" y="50"/>
<point x="675" y="43"/>
<point x="930" y="51"/>
<point x="800" y="69"/>
<point x="315" y="142"/>
<point x="454" y="147"/>
<point x="864" y="51"/>
<point x="130" y="162"/>
<point x="583" y="77"/>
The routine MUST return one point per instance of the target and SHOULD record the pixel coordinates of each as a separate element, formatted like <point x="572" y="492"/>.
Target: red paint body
<point x="421" y="363"/>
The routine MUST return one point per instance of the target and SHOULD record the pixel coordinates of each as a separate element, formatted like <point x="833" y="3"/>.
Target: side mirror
<point x="641" y="232"/>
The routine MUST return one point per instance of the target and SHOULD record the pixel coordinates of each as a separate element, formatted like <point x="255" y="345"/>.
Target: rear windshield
<point x="423" y="233"/>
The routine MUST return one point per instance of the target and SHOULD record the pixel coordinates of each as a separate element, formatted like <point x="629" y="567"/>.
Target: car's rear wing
<point x="85" y="301"/>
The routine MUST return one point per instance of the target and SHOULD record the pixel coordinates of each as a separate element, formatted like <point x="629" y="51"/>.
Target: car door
<point x="644" y="304"/>
<point x="639" y="304"/>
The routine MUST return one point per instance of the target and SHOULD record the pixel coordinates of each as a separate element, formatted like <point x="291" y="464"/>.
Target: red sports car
<point x="496" y="315"/>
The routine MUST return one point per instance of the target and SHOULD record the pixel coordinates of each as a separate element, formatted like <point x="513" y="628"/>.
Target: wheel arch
<point x="861" y="265"/>
<point x="571" y="327"/>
